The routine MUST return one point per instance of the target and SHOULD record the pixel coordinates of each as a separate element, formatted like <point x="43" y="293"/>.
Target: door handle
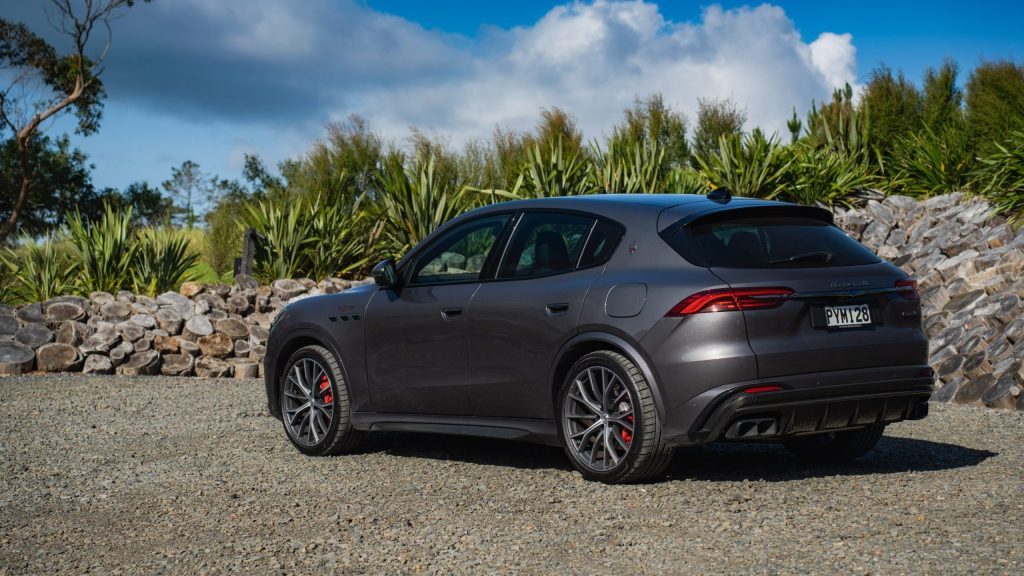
<point x="450" y="313"/>
<point x="557" y="308"/>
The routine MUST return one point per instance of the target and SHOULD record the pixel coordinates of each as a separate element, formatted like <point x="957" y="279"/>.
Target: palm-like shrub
<point x="1002" y="177"/>
<point x="416" y="200"/>
<point x="36" y="271"/>
<point x="686" y="180"/>
<point x="284" y="229"/>
<point x="631" y="167"/>
<point x="163" y="261"/>
<point x="929" y="163"/>
<point x="827" y="176"/>
<point x="554" y="173"/>
<point x="749" y="165"/>
<point x="104" y="250"/>
<point x="343" y="239"/>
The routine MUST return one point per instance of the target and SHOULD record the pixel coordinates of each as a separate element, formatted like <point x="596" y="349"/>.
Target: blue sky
<point x="211" y="80"/>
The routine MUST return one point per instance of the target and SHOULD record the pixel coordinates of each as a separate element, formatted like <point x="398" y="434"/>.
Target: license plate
<point x="844" y="316"/>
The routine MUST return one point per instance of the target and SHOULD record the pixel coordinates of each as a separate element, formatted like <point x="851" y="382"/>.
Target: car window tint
<point x="758" y="242"/>
<point x="602" y="242"/>
<point x="545" y="243"/>
<point x="460" y="255"/>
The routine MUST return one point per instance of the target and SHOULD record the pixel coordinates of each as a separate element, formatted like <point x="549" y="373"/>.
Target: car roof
<point x="631" y="210"/>
<point x="616" y="206"/>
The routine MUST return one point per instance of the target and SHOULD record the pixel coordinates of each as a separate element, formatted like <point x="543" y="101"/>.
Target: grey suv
<point x="616" y="326"/>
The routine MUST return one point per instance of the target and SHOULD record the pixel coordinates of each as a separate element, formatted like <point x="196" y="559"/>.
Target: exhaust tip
<point x="749" y="428"/>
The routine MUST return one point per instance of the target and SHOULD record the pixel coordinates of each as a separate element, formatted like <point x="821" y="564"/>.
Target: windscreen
<point x="767" y="241"/>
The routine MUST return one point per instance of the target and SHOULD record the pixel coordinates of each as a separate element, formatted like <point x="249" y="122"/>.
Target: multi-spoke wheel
<point x="314" y="403"/>
<point x="609" y="425"/>
<point x="599" y="419"/>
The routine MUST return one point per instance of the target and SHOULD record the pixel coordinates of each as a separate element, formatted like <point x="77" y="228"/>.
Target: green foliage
<point x="163" y="261"/>
<point x="284" y="228"/>
<point x="222" y="241"/>
<point x="30" y="55"/>
<point x="829" y="176"/>
<point x="342" y="242"/>
<point x="929" y="163"/>
<point x="839" y="125"/>
<point x="715" y="119"/>
<point x="415" y="201"/>
<point x="748" y="165"/>
<point x="795" y="126"/>
<point x="188" y="186"/>
<point x="61" y="183"/>
<point x="995" y="104"/>
<point x="632" y="169"/>
<point x="104" y="250"/>
<point x="151" y="208"/>
<point x="1002" y="177"/>
<point x="653" y="124"/>
<point x="895" y="106"/>
<point x="558" y="126"/>
<point x="942" y="99"/>
<point x="36" y="271"/>
<point x="554" y="172"/>
<point x="686" y="180"/>
<point x="341" y="167"/>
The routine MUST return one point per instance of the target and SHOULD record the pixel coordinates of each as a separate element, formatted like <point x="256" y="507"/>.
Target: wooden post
<point x="243" y="265"/>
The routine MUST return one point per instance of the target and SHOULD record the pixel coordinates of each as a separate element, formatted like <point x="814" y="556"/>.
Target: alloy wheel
<point x="598" y="418"/>
<point x="308" y="409"/>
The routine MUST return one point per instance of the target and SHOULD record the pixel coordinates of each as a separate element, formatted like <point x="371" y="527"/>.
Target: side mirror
<point x="385" y="274"/>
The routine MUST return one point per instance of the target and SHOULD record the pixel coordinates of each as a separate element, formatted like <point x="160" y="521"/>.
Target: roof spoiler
<point x="761" y="210"/>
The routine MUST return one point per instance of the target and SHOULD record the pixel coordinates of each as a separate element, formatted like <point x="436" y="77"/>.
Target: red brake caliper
<point x="325" y="385"/>
<point x="625" y="433"/>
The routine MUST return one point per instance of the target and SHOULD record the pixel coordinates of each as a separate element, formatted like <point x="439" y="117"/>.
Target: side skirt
<point x="525" y="429"/>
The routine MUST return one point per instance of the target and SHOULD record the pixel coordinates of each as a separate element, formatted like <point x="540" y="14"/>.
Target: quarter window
<point x="545" y="244"/>
<point x="460" y="255"/>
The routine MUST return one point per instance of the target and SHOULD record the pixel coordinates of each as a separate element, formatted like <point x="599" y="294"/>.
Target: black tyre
<point x="835" y="447"/>
<point x="608" y="423"/>
<point x="315" y="406"/>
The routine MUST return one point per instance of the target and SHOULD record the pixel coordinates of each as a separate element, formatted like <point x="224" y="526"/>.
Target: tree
<point x="995" y="103"/>
<point x="187" y="183"/>
<point x="45" y="84"/>
<point x="715" y="119"/>
<point x="895" y="106"/>
<point x="651" y="121"/>
<point x="795" y="126"/>
<point x="557" y="125"/>
<point x="61" y="183"/>
<point x="150" y="207"/>
<point x="942" y="99"/>
<point x="260" y="180"/>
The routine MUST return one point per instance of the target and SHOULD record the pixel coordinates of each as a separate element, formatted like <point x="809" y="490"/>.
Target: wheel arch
<point x="587" y="342"/>
<point x="291" y="343"/>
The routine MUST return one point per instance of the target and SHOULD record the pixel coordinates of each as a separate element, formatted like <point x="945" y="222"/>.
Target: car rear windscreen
<point x="766" y="241"/>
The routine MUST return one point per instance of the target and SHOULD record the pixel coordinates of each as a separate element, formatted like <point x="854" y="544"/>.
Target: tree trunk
<point x="26" y="185"/>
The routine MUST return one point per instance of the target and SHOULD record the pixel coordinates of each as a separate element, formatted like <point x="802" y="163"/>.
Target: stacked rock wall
<point x="970" y="269"/>
<point x="202" y="330"/>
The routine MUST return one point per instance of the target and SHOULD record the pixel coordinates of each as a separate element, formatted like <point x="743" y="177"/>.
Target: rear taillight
<point x="728" y="299"/>
<point x="908" y="289"/>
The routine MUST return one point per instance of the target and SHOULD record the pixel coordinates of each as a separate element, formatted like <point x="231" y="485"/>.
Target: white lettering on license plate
<point x="857" y="315"/>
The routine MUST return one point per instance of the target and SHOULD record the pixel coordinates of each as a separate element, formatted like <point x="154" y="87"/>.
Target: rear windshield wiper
<point x="825" y="257"/>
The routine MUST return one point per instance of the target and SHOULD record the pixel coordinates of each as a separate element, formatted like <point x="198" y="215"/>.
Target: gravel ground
<point x="151" y="475"/>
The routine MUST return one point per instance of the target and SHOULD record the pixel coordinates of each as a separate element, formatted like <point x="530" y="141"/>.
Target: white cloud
<point x="593" y="59"/>
<point x="836" y="58"/>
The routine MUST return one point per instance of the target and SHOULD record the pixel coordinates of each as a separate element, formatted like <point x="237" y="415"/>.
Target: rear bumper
<point x="807" y="404"/>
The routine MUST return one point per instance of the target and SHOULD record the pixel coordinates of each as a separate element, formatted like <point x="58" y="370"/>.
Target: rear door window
<point x="765" y="242"/>
<point x="545" y="244"/>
